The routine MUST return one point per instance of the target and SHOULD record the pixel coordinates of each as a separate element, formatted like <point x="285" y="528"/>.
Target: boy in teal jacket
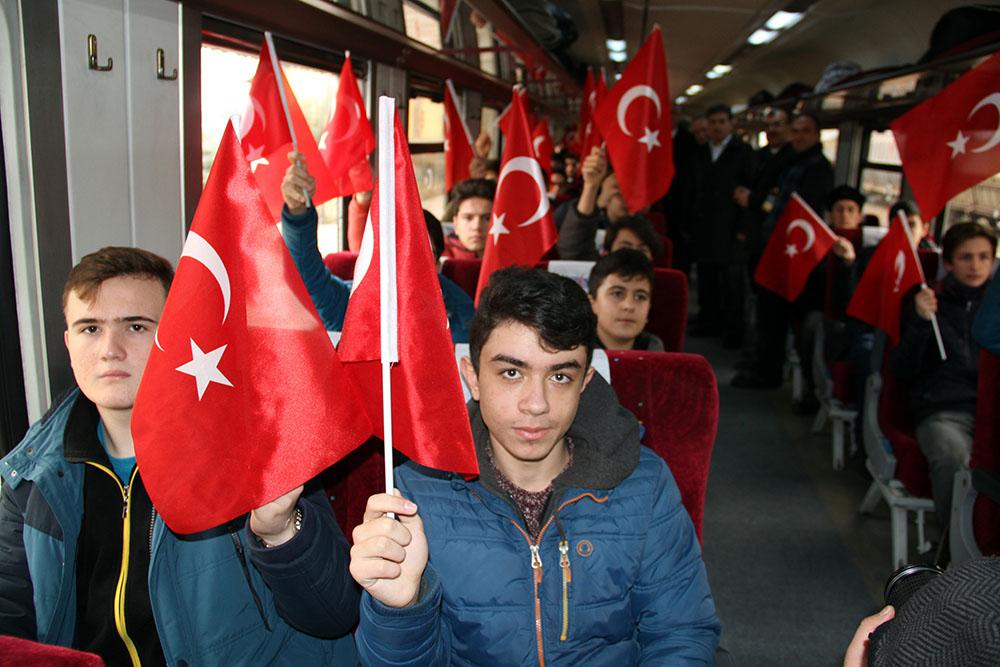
<point x="86" y="561"/>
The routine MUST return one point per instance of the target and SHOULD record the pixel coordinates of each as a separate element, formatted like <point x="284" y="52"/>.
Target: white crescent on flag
<point x="799" y="223"/>
<point x="900" y="266"/>
<point x="632" y="94"/>
<point x="530" y="166"/>
<point x="993" y="99"/>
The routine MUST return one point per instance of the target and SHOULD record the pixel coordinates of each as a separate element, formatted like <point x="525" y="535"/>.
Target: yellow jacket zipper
<point x="123" y="574"/>
<point x="536" y="568"/>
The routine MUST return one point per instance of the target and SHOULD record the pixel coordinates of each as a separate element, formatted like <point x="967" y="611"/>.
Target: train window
<point x="488" y="121"/>
<point x="881" y="188"/>
<point x="829" y="138"/>
<point x="225" y="86"/>
<point x="488" y="61"/>
<point x="980" y="202"/>
<point x="422" y="24"/>
<point x="881" y="175"/>
<point x="882" y="148"/>
<point x="425" y="130"/>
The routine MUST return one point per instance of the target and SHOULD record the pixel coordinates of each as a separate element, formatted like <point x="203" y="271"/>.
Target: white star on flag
<point x="497" y="228"/>
<point x="322" y="140"/>
<point x="204" y="368"/>
<point x="791" y="250"/>
<point x="958" y="145"/>
<point x="650" y="138"/>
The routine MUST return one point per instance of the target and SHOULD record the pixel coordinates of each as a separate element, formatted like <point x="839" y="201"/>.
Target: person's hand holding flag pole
<point x="923" y="283"/>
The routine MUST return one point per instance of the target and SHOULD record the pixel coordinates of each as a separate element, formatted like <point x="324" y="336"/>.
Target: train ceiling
<point x="701" y="34"/>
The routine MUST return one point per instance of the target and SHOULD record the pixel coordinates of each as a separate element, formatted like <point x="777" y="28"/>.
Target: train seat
<point x="463" y="272"/>
<point x="673" y="395"/>
<point x="975" y="518"/>
<point x="676" y="398"/>
<point x="898" y="468"/>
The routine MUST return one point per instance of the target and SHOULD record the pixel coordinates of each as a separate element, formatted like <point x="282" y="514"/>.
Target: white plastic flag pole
<point x="923" y="283"/>
<point x="388" y="323"/>
<point x="280" y="80"/>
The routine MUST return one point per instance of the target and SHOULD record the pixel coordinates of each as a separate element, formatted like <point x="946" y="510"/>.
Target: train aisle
<point x="793" y="568"/>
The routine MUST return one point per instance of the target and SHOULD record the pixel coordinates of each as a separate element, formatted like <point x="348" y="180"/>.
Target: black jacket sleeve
<point x="17" y="608"/>
<point x="308" y="575"/>
<point x="577" y="235"/>
<point x="908" y="360"/>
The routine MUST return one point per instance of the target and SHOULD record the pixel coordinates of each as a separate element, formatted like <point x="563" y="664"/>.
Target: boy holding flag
<point x="943" y="391"/>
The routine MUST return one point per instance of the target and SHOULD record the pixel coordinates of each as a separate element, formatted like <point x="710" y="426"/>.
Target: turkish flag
<point x="430" y="421"/>
<point x="634" y="119"/>
<point x="588" y="105"/>
<point x="267" y="140"/>
<point x="447" y="11"/>
<point x="798" y="244"/>
<point x="347" y="140"/>
<point x="458" y="151"/>
<point x="243" y="397"/>
<point x="522" y="229"/>
<point x="503" y="120"/>
<point x="951" y="141"/>
<point x="541" y="141"/>
<point x="592" y="135"/>
<point x="893" y="269"/>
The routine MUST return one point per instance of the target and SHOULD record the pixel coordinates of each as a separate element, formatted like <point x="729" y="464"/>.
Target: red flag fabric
<point x="243" y="397"/>
<point x="430" y="421"/>
<point x="634" y="119"/>
<point x="347" y="140"/>
<point x="447" y="11"/>
<point x="266" y="139"/>
<point x="592" y="135"/>
<point x="798" y="244"/>
<point x="503" y="120"/>
<point x="951" y="141"/>
<point x="522" y="229"/>
<point x="588" y="104"/>
<point x="541" y="141"/>
<point x="458" y="151"/>
<point x="893" y="269"/>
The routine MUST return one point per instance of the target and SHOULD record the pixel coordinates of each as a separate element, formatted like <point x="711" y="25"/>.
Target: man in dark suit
<point x="721" y="165"/>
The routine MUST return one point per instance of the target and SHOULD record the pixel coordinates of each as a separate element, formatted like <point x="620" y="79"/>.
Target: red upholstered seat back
<point x="843" y="381"/>
<point x="676" y="398"/>
<point x="27" y="653"/>
<point x="986" y="451"/>
<point x="463" y="272"/>
<point x="666" y="258"/>
<point x="896" y="422"/>
<point x="673" y="395"/>
<point x="341" y="264"/>
<point x="668" y="311"/>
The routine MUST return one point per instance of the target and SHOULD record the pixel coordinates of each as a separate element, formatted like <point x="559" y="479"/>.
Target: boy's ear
<point x="587" y="378"/>
<point x="469" y="375"/>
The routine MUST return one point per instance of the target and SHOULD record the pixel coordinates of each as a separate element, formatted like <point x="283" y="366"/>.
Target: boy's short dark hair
<point x="639" y="226"/>
<point x="435" y="233"/>
<point x="719" y="108"/>
<point x="626" y="263"/>
<point x="552" y="305"/>
<point x="962" y="232"/>
<point x="811" y="116"/>
<point x="473" y="187"/>
<point x="907" y="206"/>
<point x="86" y="278"/>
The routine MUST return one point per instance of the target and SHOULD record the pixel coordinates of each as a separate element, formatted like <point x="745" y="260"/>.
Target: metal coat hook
<point x="161" y="71"/>
<point x="92" y="56"/>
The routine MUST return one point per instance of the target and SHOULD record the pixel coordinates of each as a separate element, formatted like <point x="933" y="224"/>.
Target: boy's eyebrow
<point x="517" y="363"/>
<point x="127" y="318"/>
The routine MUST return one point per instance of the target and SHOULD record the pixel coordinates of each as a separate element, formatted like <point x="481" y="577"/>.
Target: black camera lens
<point x="906" y="581"/>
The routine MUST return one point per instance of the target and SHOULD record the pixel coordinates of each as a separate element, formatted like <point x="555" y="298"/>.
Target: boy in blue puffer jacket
<point x="571" y="547"/>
